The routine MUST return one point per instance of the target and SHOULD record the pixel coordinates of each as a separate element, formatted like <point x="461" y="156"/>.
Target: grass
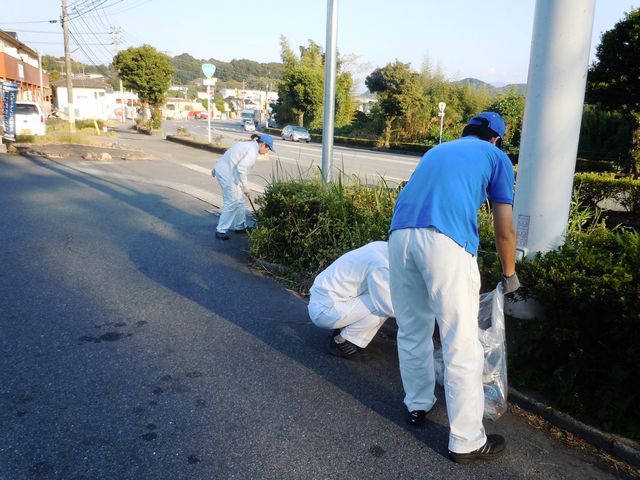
<point x="58" y="133"/>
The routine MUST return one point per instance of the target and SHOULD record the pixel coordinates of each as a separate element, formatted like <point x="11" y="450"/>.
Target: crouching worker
<point x="352" y="297"/>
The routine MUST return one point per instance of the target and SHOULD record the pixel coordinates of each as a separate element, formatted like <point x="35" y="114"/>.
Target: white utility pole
<point x="551" y="126"/>
<point x="71" y="116"/>
<point x="441" y="107"/>
<point x="41" y="81"/>
<point x="115" y="31"/>
<point x="329" y="91"/>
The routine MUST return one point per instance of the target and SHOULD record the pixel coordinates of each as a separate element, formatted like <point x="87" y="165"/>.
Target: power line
<point x="21" y="23"/>
<point x="60" y="33"/>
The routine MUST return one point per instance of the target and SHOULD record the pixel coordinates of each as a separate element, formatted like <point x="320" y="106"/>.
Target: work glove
<point x="213" y="173"/>
<point x="511" y="283"/>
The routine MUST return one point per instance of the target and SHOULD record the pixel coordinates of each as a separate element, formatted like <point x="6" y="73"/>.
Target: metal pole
<point x="41" y="81"/>
<point x="67" y="61"/>
<point x="441" y="107"/>
<point x="551" y="126"/>
<point x="329" y="91"/>
<point x="209" y="111"/>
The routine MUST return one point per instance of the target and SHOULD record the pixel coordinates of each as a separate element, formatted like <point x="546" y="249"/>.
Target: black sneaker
<point x="348" y="350"/>
<point x="493" y="448"/>
<point x="222" y="236"/>
<point x="417" y="418"/>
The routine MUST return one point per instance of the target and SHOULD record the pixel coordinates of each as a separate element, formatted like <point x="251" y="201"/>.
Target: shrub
<point x="593" y="188"/>
<point x="305" y="227"/>
<point x="584" y="352"/>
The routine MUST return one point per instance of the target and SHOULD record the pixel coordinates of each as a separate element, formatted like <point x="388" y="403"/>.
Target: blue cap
<point x="267" y="140"/>
<point x="491" y="120"/>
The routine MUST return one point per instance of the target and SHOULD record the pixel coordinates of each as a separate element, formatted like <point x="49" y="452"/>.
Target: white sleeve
<point x="380" y="292"/>
<point x="246" y="162"/>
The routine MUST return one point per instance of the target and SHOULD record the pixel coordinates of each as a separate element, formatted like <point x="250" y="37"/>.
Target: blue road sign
<point x="208" y="69"/>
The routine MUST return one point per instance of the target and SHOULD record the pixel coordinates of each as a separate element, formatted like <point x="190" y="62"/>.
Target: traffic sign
<point x="208" y="69"/>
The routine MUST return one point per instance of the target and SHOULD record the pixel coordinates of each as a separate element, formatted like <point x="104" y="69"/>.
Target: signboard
<point x="9" y="94"/>
<point x="209" y="81"/>
<point x="208" y="69"/>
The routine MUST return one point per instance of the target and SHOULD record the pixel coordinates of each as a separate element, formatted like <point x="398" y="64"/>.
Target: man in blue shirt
<point x="434" y="276"/>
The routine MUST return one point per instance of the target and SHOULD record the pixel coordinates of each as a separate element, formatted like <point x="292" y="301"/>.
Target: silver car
<point x="295" y="134"/>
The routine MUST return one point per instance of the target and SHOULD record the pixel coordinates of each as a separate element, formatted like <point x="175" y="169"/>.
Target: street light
<point x="441" y="107"/>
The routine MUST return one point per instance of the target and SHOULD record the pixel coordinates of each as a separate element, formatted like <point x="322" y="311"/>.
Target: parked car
<point x="295" y="134"/>
<point x="249" y="126"/>
<point x="30" y="119"/>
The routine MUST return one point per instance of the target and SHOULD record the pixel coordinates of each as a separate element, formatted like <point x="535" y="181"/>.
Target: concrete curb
<point x="192" y="143"/>
<point x="621" y="447"/>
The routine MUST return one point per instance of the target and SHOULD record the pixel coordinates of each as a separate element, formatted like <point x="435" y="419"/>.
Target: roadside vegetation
<point x="580" y="353"/>
<point x="87" y="132"/>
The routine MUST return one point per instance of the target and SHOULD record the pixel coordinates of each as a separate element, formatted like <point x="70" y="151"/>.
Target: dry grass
<point x="571" y="441"/>
<point x="58" y="133"/>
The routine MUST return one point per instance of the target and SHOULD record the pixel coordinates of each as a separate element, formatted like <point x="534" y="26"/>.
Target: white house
<point x="90" y="99"/>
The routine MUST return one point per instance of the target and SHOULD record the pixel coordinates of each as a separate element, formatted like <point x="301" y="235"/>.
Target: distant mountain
<point x="236" y="73"/>
<point x="519" y="88"/>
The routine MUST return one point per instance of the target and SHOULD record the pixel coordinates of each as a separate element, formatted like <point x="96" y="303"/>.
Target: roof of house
<point x="82" y="83"/>
<point x="14" y="40"/>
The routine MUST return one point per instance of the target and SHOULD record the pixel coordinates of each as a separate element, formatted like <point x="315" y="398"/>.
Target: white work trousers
<point x="233" y="208"/>
<point x="434" y="279"/>
<point x="354" y="317"/>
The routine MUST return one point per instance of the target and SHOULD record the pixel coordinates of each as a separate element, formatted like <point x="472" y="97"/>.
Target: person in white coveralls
<point x="351" y="296"/>
<point x="231" y="171"/>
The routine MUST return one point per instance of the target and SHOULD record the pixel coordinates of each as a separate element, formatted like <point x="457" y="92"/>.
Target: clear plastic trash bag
<point x="491" y="331"/>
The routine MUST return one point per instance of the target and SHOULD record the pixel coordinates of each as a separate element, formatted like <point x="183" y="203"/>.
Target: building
<point x="21" y="64"/>
<point x="92" y="98"/>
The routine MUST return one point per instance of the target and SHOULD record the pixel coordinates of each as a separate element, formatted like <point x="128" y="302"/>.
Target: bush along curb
<point x="621" y="447"/>
<point x="195" y="144"/>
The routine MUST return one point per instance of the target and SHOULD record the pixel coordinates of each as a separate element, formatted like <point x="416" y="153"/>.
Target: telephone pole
<point x="67" y="61"/>
<point x="115" y="31"/>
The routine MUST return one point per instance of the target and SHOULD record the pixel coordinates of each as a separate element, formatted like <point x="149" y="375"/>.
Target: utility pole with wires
<point x="115" y="31"/>
<point x="67" y="60"/>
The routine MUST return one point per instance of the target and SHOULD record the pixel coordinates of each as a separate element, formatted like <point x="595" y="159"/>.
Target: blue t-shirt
<point x="450" y="184"/>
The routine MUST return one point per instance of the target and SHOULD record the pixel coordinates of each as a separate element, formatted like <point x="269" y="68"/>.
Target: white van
<point x="30" y="119"/>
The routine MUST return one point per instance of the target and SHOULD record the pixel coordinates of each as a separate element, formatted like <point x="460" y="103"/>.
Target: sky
<point x="488" y="40"/>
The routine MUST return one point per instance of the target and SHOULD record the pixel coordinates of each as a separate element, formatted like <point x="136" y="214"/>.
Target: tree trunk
<point x="388" y="123"/>
<point x="301" y="119"/>
<point x="634" y="153"/>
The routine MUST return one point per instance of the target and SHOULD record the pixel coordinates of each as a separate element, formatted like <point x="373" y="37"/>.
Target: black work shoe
<point x="222" y="236"/>
<point x="348" y="350"/>
<point x="243" y="230"/>
<point x="493" y="448"/>
<point x="417" y="418"/>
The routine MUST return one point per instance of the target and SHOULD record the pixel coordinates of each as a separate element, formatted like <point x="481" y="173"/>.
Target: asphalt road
<point x="367" y="166"/>
<point x="133" y="345"/>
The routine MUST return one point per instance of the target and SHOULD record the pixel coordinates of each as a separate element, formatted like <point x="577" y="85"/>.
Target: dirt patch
<point x="99" y="153"/>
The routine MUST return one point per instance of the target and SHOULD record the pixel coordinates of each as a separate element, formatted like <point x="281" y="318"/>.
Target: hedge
<point x="581" y="354"/>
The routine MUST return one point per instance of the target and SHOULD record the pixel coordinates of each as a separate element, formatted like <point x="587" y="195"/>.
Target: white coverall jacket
<point x="231" y="171"/>
<point x="353" y="294"/>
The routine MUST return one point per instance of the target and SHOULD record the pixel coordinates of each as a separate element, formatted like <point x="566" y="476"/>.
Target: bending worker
<point x="352" y="295"/>
<point x="434" y="276"/>
<point x="231" y="171"/>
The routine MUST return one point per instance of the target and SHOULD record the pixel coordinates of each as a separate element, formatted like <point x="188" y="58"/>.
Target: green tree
<point x="398" y="90"/>
<point x="613" y="77"/>
<point x="511" y="108"/>
<point x="301" y="90"/>
<point x="145" y="71"/>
